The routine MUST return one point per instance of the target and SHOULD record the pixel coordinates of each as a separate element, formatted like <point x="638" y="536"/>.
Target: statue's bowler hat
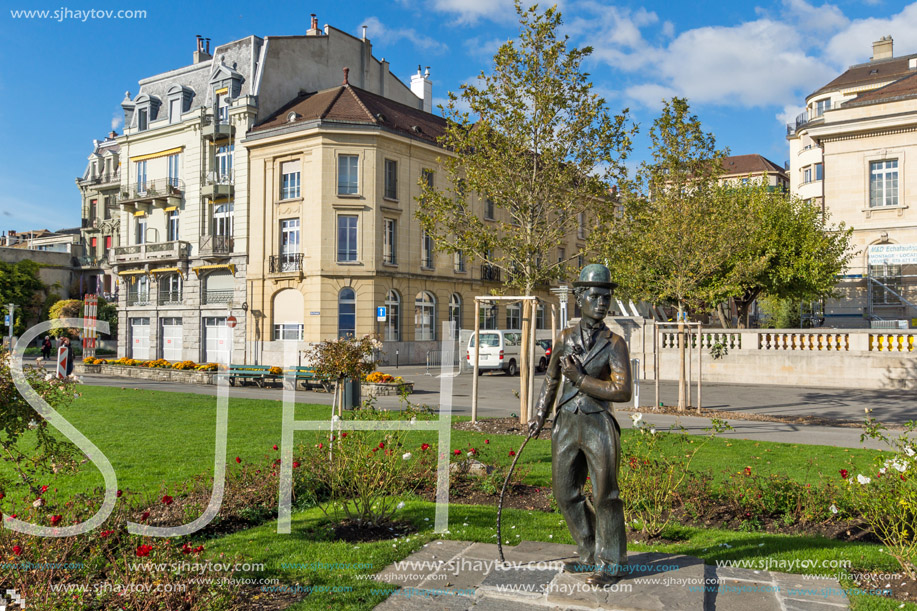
<point x="595" y="274"/>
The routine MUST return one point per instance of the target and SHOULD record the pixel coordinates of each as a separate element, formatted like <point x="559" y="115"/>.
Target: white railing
<point x="802" y="340"/>
<point x="794" y="340"/>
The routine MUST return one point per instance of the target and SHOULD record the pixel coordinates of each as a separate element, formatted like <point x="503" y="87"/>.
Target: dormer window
<point x="143" y="119"/>
<point x="175" y="110"/>
<point x="179" y="102"/>
<point x="147" y="108"/>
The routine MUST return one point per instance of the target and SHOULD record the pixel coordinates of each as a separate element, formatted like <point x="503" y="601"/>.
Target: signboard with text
<point x="893" y="254"/>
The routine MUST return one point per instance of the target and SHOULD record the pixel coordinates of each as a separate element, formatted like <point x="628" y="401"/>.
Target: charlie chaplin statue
<point x="592" y="366"/>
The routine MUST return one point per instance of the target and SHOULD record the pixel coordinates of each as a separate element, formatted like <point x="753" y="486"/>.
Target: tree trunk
<point x="722" y="316"/>
<point x="682" y="386"/>
<point x="524" y="364"/>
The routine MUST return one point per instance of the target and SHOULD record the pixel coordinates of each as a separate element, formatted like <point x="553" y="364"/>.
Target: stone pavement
<point x="459" y="575"/>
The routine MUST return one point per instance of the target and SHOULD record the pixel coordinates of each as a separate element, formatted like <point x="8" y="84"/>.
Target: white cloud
<point x="854" y="44"/>
<point x="379" y="33"/>
<point x="807" y="17"/>
<point x="117" y="120"/>
<point x="668" y="29"/>
<point x="483" y="48"/>
<point x="650" y="95"/>
<point x="470" y="11"/>
<point x="789" y="113"/>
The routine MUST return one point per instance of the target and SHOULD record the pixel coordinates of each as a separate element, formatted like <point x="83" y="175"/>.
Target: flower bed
<point x="184" y="376"/>
<point x="378" y="384"/>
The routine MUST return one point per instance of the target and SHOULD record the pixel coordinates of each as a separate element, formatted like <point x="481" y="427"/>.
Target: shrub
<point x="377" y="377"/>
<point x="207" y="367"/>
<point x="276" y="371"/>
<point x="184" y="365"/>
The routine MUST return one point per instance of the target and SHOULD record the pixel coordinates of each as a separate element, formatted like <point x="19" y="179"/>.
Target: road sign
<point x="6" y="320"/>
<point x="381" y="314"/>
<point x="231" y="322"/>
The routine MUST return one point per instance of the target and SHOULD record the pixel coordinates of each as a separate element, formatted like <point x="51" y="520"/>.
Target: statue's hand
<point x="536" y="424"/>
<point x="573" y="369"/>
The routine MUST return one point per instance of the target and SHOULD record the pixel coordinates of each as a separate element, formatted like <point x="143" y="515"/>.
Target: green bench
<point x="258" y="373"/>
<point x="308" y="377"/>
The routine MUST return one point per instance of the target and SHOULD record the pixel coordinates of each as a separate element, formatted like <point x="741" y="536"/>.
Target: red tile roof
<point x="870" y="72"/>
<point x="900" y="89"/>
<point x="349" y="104"/>
<point x="749" y="164"/>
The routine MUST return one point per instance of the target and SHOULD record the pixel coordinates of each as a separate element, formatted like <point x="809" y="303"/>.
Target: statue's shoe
<point x="578" y="567"/>
<point x="601" y="578"/>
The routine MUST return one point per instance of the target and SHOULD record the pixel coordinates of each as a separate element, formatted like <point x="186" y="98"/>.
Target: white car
<point x="501" y="349"/>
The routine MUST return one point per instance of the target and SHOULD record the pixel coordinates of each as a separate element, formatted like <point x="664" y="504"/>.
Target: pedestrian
<point x="69" y="355"/>
<point x="46" y="348"/>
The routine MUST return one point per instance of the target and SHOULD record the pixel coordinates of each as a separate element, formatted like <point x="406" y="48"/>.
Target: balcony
<point x="217" y="297"/>
<point x="216" y="245"/>
<point x="286" y="263"/>
<point x="157" y="251"/>
<point x="217" y="186"/>
<point x="163" y="191"/>
<point x="92" y="262"/>
<point x="168" y="298"/>
<point x="216" y="130"/>
<point x="136" y="298"/>
<point x="490" y="272"/>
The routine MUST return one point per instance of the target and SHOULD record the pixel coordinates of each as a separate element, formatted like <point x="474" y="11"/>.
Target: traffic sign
<point x="381" y="314"/>
<point x="231" y="322"/>
<point x="6" y="320"/>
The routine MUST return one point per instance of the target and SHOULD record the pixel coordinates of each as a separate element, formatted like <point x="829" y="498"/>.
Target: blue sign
<point x="380" y="313"/>
<point x="6" y="320"/>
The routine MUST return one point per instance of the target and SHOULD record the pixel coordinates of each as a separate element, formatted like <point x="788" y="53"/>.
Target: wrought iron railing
<point x="138" y="299"/>
<point x="216" y="245"/>
<point x="154" y="250"/>
<point x="290" y="262"/>
<point x="170" y="297"/>
<point x="490" y="272"/>
<point x="148" y="190"/>
<point x="217" y="296"/>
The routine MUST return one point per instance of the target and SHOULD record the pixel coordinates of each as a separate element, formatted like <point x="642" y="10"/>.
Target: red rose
<point x="198" y="549"/>
<point x="145" y="515"/>
<point x="167" y="500"/>
<point x="44" y="489"/>
<point x="55" y="520"/>
<point x="119" y="494"/>
<point x="2" y="496"/>
<point x="17" y="550"/>
<point x="456" y="452"/>
<point x="487" y="441"/>
<point x="186" y="548"/>
<point x="238" y="460"/>
<point x="277" y="462"/>
<point x="425" y="446"/>
<point x="144" y="550"/>
<point x="275" y="446"/>
<point x="295" y="464"/>
<point x="106" y="533"/>
<point x="320" y="446"/>
<point x="375" y="449"/>
<point x="747" y="470"/>
<point x="512" y="452"/>
<point x="381" y="445"/>
<point x="844" y="473"/>
<point x="343" y="435"/>
<point x="473" y="451"/>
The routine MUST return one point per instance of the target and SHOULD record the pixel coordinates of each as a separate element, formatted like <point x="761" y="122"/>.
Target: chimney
<point x="201" y="55"/>
<point x="346" y="77"/>
<point x="313" y="28"/>
<point x="882" y="48"/>
<point x="422" y="87"/>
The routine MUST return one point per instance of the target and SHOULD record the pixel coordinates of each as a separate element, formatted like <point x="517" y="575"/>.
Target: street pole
<point x="477" y="346"/>
<point x="12" y="308"/>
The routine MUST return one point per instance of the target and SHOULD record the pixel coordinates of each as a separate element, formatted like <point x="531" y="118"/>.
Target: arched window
<point x="347" y="312"/>
<point x="288" y="315"/>
<point x="513" y="316"/>
<point x="539" y="317"/>
<point x="455" y="313"/>
<point x="393" y="323"/>
<point x="424" y="317"/>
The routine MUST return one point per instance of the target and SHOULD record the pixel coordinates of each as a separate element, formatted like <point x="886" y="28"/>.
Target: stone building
<point x="849" y="153"/>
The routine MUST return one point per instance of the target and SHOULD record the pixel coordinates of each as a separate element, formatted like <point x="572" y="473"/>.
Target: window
<point x="347" y="312"/>
<point x="138" y="293"/>
<point x="93" y="209"/>
<point x="455" y="313"/>
<point x="890" y="278"/>
<point x="289" y="179"/>
<point x="459" y="260"/>
<point x="347" y="238"/>
<point x="348" y="170"/>
<point x="539" y="317"/>
<point x="224" y="163"/>
<point x="170" y="289"/>
<point x="289" y="245"/>
<point x="389" y="238"/>
<point x="807" y="175"/>
<point x="222" y="220"/>
<point x="107" y="242"/>
<point x="821" y="106"/>
<point x="173" y="170"/>
<point x="489" y="209"/>
<point x="219" y="287"/>
<point x="513" y="316"/>
<point x="141" y="176"/>
<point x="391" y="179"/>
<point x="288" y="331"/>
<point x="487" y="316"/>
<point x="93" y="242"/>
<point x="140" y="236"/>
<point x="222" y="108"/>
<point x="424" y="317"/>
<point x="427" y="177"/>
<point x="819" y="171"/>
<point x="172" y="227"/>
<point x="883" y="183"/>
<point x="580" y="261"/>
<point x="143" y="119"/>
<point x="581" y="225"/>
<point x="175" y="110"/>
<point x="393" y="320"/>
<point x="426" y="256"/>
<point x="561" y="255"/>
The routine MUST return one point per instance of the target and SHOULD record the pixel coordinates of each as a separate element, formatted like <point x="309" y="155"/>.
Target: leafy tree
<point x="538" y="143"/>
<point x="109" y="313"/>
<point x="675" y="225"/>
<point x="65" y="308"/>
<point x="343" y="358"/>
<point x="20" y="285"/>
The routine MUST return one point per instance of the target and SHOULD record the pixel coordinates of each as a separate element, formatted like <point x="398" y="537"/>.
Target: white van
<point x="499" y="350"/>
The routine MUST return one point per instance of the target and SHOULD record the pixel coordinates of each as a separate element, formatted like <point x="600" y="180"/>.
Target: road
<point x="497" y="399"/>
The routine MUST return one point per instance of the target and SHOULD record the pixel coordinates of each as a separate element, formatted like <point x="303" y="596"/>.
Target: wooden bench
<point x="308" y="377"/>
<point x="258" y="373"/>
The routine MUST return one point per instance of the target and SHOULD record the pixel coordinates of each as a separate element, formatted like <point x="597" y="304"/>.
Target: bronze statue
<point x="586" y="438"/>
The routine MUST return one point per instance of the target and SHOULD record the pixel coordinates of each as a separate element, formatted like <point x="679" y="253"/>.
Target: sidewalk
<point x="459" y="575"/>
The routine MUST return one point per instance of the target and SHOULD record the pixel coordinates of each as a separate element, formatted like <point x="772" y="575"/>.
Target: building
<point x="63" y="240"/>
<point x="849" y="153"/>
<point x="334" y="179"/>
<point x="740" y="169"/>
<point x="181" y="248"/>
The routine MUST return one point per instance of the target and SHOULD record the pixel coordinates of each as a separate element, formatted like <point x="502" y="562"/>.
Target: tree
<point x="675" y="225"/>
<point x="21" y="286"/>
<point x="65" y="308"/>
<point x="541" y="147"/>
<point x="794" y="254"/>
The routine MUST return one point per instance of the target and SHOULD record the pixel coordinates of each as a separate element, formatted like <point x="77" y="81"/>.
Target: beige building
<point x="741" y="169"/>
<point x="849" y="152"/>
<point x="334" y="180"/>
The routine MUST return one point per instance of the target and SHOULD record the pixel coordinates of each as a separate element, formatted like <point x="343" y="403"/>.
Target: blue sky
<point x="744" y="67"/>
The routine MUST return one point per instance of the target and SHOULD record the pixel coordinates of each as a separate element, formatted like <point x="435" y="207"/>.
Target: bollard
<point x="635" y="375"/>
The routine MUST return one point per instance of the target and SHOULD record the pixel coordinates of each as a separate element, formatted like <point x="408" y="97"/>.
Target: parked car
<point x="543" y="353"/>
<point x="499" y="350"/>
